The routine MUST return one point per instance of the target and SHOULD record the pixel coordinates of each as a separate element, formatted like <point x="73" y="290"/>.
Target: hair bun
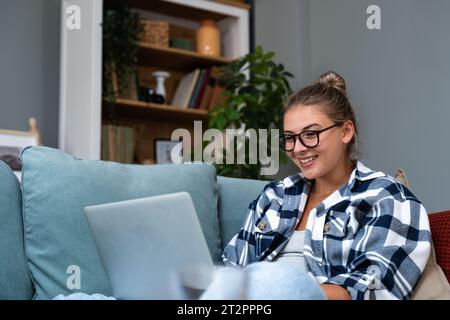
<point x="333" y="80"/>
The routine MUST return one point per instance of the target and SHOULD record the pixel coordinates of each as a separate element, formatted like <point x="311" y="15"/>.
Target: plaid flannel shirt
<point x="371" y="236"/>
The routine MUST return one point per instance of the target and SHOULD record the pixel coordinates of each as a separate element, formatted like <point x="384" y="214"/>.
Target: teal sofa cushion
<point x="56" y="188"/>
<point x="15" y="281"/>
<point x="235" y="196"/>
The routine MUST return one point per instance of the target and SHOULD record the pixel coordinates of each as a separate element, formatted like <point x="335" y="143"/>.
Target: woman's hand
<point x="335" y="292"/>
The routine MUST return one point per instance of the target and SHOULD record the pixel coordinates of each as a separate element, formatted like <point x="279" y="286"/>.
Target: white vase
<point x="161" y="76"/>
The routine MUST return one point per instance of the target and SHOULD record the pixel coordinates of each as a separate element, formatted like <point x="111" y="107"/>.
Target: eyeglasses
<point x="308" y="138"/>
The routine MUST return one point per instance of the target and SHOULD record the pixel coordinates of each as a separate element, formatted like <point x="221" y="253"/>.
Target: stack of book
<point x="118" y="143"/>
<point x="199" y="89"/>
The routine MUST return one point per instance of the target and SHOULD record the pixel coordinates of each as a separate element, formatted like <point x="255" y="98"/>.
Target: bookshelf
<point x="151" y="121"/>
<point x="83" y="112"/>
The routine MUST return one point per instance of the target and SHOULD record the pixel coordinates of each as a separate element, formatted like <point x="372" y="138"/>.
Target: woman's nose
<point x="299" y="147"/>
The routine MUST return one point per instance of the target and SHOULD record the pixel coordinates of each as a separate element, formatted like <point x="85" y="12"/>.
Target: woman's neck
<point x="326" y="185"/>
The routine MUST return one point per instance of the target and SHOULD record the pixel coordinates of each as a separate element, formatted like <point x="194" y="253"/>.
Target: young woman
<point x="360" y="233"/>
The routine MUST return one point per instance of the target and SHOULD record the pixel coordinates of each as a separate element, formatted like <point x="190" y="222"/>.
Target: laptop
<point x="152" y="248"/>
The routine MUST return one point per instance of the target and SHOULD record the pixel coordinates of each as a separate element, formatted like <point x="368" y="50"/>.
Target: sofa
<point x="46" y="238"/>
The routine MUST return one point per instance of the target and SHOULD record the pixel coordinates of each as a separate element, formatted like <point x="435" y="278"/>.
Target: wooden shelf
<point x="238" y="4"/>
<point x="178" y="59"/>
<point x="156" y="111"/>
<point x="182" y="11"/>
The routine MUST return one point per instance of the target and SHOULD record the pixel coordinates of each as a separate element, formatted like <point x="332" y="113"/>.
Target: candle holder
<point x="160" y="77"/>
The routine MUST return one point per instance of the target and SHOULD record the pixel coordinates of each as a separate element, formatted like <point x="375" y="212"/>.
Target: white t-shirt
<point x="293" y="251"/>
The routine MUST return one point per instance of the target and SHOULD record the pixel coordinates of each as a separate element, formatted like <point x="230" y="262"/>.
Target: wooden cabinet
<point x="150" y="121"/>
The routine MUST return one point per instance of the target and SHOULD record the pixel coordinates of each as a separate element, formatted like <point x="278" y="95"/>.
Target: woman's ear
<point x="348" y="131"/>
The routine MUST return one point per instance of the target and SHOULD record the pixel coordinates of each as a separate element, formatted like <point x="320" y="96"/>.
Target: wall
<point x="397" y="77"/>
<point x="285" y="30"/>
<point x="29" y="65"/>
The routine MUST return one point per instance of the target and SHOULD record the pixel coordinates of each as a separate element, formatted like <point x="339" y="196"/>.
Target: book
<point x="197" y="84"/>
<point x="217" y="97"/>
<point x="185" y="89"/>
<point x="196" y="89"/>
<point x="202" y="88"/>
<point x="211" y="83"/>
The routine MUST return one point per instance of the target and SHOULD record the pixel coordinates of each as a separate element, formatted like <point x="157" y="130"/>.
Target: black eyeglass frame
<point x="298" y="137"/>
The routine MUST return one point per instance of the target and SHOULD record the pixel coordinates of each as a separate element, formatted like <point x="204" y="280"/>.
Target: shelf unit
<point x="152" y="121"/>
<point x="80" y="127"/>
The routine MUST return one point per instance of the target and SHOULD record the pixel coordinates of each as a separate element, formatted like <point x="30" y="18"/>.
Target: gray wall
<point x="285" y="29"/>
<point x="397" y="77"/>
<point x="29" y="65"/>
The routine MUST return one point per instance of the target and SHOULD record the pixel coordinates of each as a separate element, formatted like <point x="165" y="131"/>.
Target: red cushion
<point x="440" y="231"/>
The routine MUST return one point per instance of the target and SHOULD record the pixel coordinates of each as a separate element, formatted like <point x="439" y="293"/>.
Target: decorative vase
<point x="161" y="76"/>
<point x="208" y="38"/>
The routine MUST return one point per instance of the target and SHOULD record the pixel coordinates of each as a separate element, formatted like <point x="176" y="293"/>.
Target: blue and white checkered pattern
<point x="372" y="236"/>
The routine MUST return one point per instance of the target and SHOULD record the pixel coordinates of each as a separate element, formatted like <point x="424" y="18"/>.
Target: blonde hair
<point x="329" y="92"/>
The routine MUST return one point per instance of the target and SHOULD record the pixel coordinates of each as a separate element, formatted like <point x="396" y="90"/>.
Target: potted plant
<point x="255" y="88"/>
<point x="121" y="33"/>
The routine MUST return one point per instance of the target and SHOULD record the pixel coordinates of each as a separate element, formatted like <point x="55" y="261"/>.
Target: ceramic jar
<point x="208" y="38"/>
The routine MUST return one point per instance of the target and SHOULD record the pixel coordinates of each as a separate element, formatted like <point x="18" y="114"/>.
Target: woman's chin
<point x="310" y="173"/>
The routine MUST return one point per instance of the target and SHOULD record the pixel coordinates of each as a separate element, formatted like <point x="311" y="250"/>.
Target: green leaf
<point x="288" y="74"/>
<point x="269" y="55"/>
<point x="258" y="50"/>
<point x="256" y="101"/>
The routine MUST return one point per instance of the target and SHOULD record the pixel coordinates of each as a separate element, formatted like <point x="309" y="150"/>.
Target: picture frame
<point x="11" y="145"/>
<point x="163" y="149"/>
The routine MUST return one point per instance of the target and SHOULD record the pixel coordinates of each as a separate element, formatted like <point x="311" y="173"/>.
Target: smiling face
<point x="332" y="151"/>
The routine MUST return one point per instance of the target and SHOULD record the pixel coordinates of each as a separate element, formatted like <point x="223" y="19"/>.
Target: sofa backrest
<point x="235" y="197"/>
<point x="15" y="281"/>
<point x="60" y="250"/>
